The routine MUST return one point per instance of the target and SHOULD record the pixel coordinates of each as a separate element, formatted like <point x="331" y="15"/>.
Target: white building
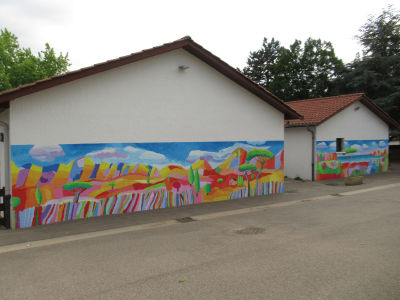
<point x="168" y="126"/>
<point x="339" y="136"/>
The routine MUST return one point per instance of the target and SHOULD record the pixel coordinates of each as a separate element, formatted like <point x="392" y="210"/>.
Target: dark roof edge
<point x="379" y="112"/>
<point x="187" y="44"/>
<point x="288" y="125"/>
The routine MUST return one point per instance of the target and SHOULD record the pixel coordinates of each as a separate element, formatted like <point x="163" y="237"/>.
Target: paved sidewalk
<point x="294" y="191"/>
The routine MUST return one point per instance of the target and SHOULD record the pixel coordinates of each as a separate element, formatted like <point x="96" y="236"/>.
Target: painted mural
<point x="359" y="157"/>
<point x="63" y="182"/>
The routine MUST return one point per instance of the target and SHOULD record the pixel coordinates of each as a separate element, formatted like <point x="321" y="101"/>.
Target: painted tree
<point x="15" y="202"/>
<point x="262" y="156"/>
<point x="247" y="169"/>
<point x="207" y="188"/>
<point x="77" y="187"/>
<point x="196" y="182"/>
<point x="240" y="180"/>
<point x="191" y="175"/>
<point x="39" y="199"/>
<point x="350" y="151"/>
<point x="150" y="168"/>
<point x="112" y="184"/>
<point x="39" y="196"/>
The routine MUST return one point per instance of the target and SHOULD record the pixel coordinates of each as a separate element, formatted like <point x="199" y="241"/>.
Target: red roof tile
<point x="317" y="110"/>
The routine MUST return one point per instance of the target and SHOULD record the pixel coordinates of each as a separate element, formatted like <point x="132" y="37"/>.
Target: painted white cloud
<point x="365" y="146"/>
<point x="382" y="144"/>
<point x="374" y="145"/>
<point x="132" y="149"/>
<point x="332" y="145"/>
<point x="107" y="153"/>
<point x="357" y="147"/>
<point x="256" y="143"/>
<point x="322" y="145"/>
<point x="145" y="156"/>
<point x="150" y="155"/>
<point x="221" y="155"/>
<point x="46" y="153"/>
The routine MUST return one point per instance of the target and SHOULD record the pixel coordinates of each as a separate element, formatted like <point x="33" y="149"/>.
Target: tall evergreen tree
<point x="377" y="72"/>
<point x="295" y="73"/>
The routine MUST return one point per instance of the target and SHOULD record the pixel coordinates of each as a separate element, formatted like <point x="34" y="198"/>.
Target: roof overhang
<point x="185" y="43"/>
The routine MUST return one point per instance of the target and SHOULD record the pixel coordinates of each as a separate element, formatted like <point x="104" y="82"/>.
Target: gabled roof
<point x="317" y="110"/>
<point x="185" y="43"/>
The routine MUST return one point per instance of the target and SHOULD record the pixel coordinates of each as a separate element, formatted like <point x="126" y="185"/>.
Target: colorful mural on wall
<point x="57" y="183"/>
<point x="359" y="157"/>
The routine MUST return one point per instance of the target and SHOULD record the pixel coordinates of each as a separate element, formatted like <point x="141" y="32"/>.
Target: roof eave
<point x="185" y="43"/>
<point x="301" y="125"/>
<point x="392" y="123"/>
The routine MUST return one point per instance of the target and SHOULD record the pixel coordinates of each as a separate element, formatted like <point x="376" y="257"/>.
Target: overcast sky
<point x="92" y="31"/>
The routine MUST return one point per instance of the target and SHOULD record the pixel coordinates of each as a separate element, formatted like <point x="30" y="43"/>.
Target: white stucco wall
<point x="298" y="149"/>
<point x="147" y="101"/>
<point x="353" y="124"/>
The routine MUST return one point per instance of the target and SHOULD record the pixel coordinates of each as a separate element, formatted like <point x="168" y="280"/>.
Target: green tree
<point x="39" y="196"/>
<point x="111" y="184"/>
<point x="247" y="169"/>
<point x="191" y="176"/>
<point x="150" y="168"/>
<point x="299" y="72"/>
<point x="207" y="188"/>
<point x="20" y="66"/>
<point x="380" y="35"/>
<point x="350" y="151"/>
<point x="15" y="202"/>
<point x="262" y="156"/>
<point x="77" y="187"/>
<point x="377" y="72"/>
<point x="196" y="181"/>
<point x="261" y="64"/>
<point x="240" y="180"/>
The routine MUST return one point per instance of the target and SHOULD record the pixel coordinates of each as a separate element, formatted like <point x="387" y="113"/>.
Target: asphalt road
<point x="322" y="247"/>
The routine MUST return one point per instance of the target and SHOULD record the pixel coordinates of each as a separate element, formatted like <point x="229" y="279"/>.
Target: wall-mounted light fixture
<point x="183" y="67"/>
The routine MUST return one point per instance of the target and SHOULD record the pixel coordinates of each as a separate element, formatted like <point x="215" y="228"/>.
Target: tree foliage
<point x="191" y="175"/>
<point x="300" y="72"/>
<point x="39" y="196"/>
<point x="262" y="157"/>
<point x="377" y="72"/>
<point x="196" y="181"/>
<point x="20" y="66"/>
<point x="77" y="187"/>
<point x="350" y="150"/>
<point x="259" y="153"/>
<point x="207" y="188"/>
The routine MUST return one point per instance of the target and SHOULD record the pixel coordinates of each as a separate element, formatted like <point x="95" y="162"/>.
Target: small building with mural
<point x="169" y="126"/>
<point x="340" y="136"/>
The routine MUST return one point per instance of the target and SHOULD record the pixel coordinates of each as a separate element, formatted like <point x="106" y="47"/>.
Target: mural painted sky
<point x="160" y="154"/>
<point x="359" y="157"/>
<point x="62" y="182"/>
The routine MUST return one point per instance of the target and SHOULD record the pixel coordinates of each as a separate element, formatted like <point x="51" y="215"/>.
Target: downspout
<point x="7" y="170"/>
<point x="312" y="151"/>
